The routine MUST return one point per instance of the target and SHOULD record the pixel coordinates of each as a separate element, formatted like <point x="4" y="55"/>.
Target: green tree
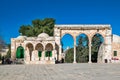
<point x="38" y="26"/>
<point x="82" y="49"/>
<point x="69" y="55"/>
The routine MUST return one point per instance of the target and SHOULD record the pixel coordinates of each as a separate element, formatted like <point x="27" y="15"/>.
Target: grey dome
<point x="43" y="35"/>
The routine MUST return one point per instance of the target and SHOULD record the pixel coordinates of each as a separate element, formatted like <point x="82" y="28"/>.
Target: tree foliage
<point x="82" y="50"/>
<point x="69" y="55"/>
<point x="38" y="26"/>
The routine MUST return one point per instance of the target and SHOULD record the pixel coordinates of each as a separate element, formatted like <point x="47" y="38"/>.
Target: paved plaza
<point x="61" y="72"/>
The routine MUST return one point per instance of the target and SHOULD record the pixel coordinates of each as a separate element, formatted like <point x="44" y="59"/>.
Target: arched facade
<point x="45" y="49"/>
<point x="35" y="49"/>
<point x="90" y="31"/>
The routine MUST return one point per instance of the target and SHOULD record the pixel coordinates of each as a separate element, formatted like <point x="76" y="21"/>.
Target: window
<point x="115" y="53"/>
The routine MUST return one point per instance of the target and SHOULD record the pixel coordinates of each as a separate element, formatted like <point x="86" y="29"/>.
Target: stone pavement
<point x="61" y="72"/>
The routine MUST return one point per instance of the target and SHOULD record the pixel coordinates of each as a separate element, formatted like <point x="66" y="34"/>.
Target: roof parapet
<point x="84" y="26"/>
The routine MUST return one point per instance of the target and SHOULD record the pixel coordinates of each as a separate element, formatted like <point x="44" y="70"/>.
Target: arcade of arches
<point x="45" y="49"/>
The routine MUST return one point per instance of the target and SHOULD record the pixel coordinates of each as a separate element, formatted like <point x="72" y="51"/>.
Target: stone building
<point x="34" y="50"/>
<point x="115" y="49"/>
<point x="45" y="49"/>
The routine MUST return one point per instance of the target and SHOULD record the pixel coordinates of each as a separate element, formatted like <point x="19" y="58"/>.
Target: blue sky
<point x="14" y="13"/>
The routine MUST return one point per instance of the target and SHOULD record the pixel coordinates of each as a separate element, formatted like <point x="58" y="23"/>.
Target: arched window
<point x="48" y="48"/>
<point x="39" y="48"/>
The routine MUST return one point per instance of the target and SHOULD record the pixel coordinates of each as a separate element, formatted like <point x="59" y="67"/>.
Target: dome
<point x="43" y="35"/>
<point x="21" y="37"/>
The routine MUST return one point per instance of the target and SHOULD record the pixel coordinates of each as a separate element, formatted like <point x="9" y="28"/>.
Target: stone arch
<point x="95" y="56"/>
<point x="84" y="34"/>
<point x="48" y="50"/>
<point x="98" y="34"/>
<point x="49" y="46"/>
<point x="39" y="47"/>
<point x="82" y="57"/>
<point x="67" y="46"/>
<point x="65" y="35"/>
<point x="20" y="52"/>
<point x="62" y="35"/>
<point x="30" y="49"/>
<point x="92" y="35"/>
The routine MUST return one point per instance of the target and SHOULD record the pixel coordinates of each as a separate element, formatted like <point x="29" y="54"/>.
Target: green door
<point x="39" y="53"/>
<point x="20" y="52"/>
<point x="48" y="54"/>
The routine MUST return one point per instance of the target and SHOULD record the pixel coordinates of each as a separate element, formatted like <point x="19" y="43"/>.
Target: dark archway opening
<point x="30" y="48"/>
<point x="97" y="40"/>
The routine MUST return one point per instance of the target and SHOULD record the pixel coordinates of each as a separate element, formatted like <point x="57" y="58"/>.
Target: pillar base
<point x="74" y="62"/>
<point x="89" y="62"/>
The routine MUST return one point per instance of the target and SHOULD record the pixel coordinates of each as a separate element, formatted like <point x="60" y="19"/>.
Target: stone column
<point x="74" y="50"/>
<point x="60" y="51"/>
<point x="90" y="51"/>
<point x="43" y="55"/>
